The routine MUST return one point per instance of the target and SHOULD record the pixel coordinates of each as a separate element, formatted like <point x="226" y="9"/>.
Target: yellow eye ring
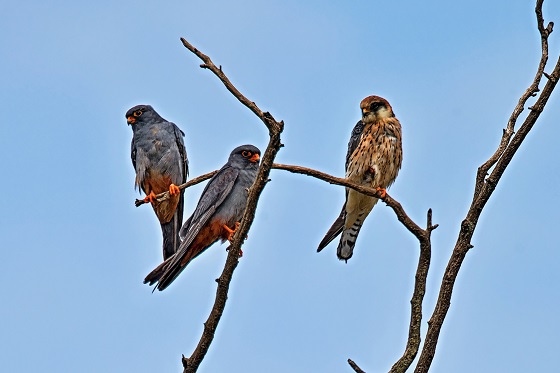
<point x="137" y="113"/>
<point x="246" y="153"/>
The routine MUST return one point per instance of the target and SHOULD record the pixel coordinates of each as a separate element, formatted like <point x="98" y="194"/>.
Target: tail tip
<point x="345" y="252"/>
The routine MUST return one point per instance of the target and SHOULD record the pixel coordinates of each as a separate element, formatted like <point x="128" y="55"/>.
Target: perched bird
<point x="216" y="215"/>
<point x="374" y="158"/>
<point x="160" y="161"/>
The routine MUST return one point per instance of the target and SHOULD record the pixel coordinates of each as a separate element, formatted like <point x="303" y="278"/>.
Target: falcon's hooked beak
<point x="130" y="120"/>
<point x="365" y="113"/>
<point x="254" y="158"/>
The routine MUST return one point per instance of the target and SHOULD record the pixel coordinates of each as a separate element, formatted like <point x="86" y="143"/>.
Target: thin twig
<point x="394" y="204"/>
<point x="295" y="169"/>
<point x="165" y="195"/>
<point x="355" y="366"/>
<point x="272" y="125"/>
<point x="530" y="92"/>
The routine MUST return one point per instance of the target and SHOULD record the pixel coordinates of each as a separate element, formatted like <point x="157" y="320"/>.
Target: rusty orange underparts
<point x="157" y="183"/>
<point x="210" y="233"/>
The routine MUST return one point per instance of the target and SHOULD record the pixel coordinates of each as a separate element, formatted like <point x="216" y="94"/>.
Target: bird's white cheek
<point x="383" y="113"/>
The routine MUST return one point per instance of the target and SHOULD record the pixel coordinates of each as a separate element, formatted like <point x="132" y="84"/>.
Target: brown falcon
<point x="374" y="158"/>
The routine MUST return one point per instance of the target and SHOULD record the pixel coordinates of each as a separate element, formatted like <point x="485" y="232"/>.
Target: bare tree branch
<point x="355" y="366"/>
<point x="394" y="204"/>
<point x="530" y="92"/>
<point x="165" y="195"/>
<point x="485" y="187"/>
<point x="191" y="364"/>
<point x="275" y="128"/>
<point x="414" y="339"/>
<point x="270" y="123"/>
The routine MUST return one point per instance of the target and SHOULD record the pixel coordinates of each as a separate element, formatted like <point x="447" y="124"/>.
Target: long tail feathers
<point x="347" y="242"/>
<point x="164" y="274"/>
<point x="157" y="272"/>
<point x="170" y="231"/>
<point x="334" y="230"/>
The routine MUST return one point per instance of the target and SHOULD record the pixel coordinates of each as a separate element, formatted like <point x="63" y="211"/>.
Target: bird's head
<point x="141" y="113"/>
<point x="245" y="155"/>
<point x="375" y="108"/>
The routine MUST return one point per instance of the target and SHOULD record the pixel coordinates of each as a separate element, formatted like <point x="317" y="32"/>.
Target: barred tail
<point x="348" y="241"/>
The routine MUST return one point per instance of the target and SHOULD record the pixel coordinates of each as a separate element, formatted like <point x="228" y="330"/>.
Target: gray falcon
<point x="216" y="215"/>
<point x="160" y="161"/>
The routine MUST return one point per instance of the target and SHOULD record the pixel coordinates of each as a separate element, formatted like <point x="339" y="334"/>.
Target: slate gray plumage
<point x="160" y="160"/>
<point x="216" y="215"/>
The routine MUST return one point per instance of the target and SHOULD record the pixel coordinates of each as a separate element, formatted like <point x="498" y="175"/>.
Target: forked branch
<point x="275" y="128"/>
<point x="484" y="187"/>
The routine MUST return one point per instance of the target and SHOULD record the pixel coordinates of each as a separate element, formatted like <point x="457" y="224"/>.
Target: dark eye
<point x="137" y="113"/>
<point x="246" y="153"/>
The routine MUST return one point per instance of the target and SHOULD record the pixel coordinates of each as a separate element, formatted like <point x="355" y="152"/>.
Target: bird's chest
<point x="376" y="159"/>
<point x="152" y="140"/>
<point x="231" y="210"/>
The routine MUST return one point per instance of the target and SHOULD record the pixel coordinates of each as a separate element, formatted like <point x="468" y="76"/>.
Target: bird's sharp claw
<point x="150" y="198"/>
<point x="382" y="192"/>
<point x="230" y="231"/>
<point x="174" y="189"/>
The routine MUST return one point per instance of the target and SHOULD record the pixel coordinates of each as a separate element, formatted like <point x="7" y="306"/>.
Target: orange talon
<point x="381" y="191"/>
<point x="150" y="198"/>
<point x="230" y="235"/>
<point x="174" y="189"/>
<point x="231" y="231"/>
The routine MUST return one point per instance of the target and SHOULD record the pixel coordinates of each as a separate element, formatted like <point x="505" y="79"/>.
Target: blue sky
<point x="75" y="249"/>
